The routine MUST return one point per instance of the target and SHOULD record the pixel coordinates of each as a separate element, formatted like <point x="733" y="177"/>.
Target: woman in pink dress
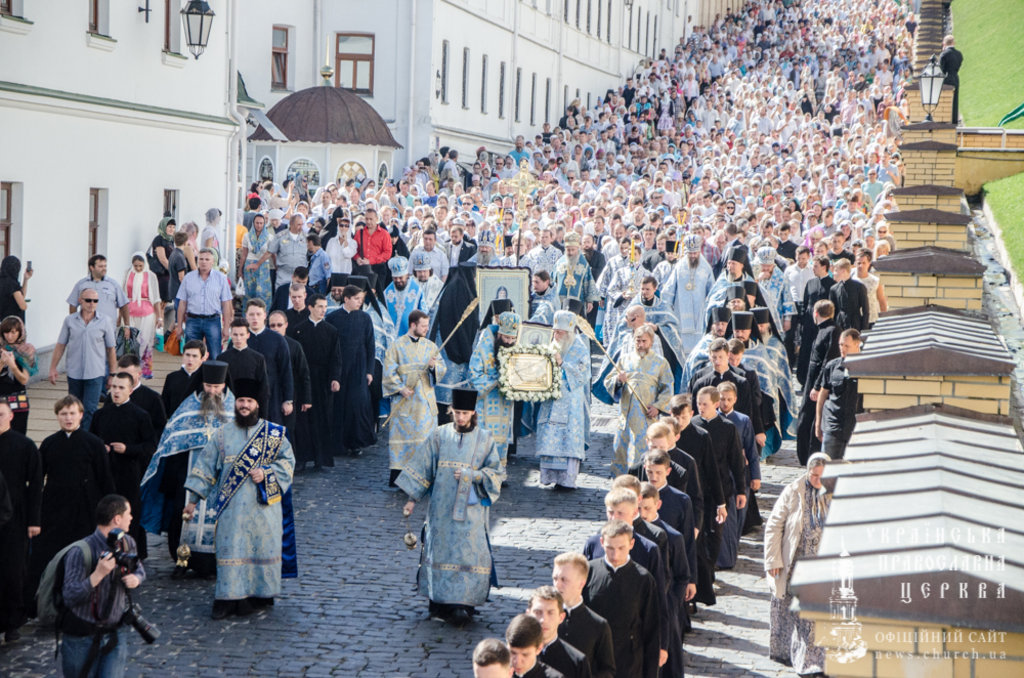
<point x="144" y="293"/>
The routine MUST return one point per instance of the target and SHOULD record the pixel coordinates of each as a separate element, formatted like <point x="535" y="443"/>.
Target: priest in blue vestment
<point x="460" y="469"/>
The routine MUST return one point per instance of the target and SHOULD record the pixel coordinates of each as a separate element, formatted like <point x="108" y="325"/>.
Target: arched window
<point x="305" y="168"/>
<point x="383" y="174"/>
<point x="350" y="170"/>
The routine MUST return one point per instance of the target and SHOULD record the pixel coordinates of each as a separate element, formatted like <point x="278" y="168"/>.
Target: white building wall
<point x="81" y="112"/>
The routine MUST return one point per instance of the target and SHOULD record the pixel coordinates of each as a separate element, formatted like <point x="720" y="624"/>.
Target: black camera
<point x="146" y="629"/>
<point x="116" y="542"/>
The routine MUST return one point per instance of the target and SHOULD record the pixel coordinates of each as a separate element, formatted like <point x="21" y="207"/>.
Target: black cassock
<point x="77" y="476"/>
<point x="353" y="421"/>
<point x="628" y="599"/>
<point x="131" y="425"/>
<point x="176" y="389"/>
<point x="22" y="469"/>
<point x="323" y="354"/>
<point x="300" y="394"/>
<point x="278" y="364"/>
<point x="295" y="318"/>
<point x="249" y="364"/>
<point x="589" y="633"/>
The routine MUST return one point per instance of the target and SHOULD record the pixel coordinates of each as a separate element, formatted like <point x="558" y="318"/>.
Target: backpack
<point x="50" y="594"/>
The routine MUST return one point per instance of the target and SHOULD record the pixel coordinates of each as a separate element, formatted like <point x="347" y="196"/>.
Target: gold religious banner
<point x="524" y="183"/>
<point x="529" y="373"/>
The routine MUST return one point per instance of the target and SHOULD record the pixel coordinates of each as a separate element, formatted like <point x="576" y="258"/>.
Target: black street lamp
<point x="198" y="20"/>
<point x="931" y="86"/>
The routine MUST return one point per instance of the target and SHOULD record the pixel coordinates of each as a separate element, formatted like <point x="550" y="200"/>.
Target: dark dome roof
<point x="327" y="115"/>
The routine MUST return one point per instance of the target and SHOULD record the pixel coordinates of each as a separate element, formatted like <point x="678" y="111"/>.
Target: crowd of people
<point x="708" y="229"/>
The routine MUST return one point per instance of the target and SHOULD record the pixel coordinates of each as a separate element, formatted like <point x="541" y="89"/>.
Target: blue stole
<point x="260" y="450"/>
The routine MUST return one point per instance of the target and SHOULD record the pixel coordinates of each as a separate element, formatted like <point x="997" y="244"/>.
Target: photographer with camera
<point x="97" y="603"/>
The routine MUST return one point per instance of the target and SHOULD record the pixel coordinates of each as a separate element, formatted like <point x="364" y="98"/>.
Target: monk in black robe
<point x="127" y="433"/>
<point x="319" y="340"/>
<point x="21" y="467"/>
<point x="177" y="384"/>
<point x="297" y="422"/>
<point x="353" y="417"/>
<point x="246" y="363"/>
<point x="77" y="472"/>
<point x="626" y="595"/>
<point x="277" y="361"/>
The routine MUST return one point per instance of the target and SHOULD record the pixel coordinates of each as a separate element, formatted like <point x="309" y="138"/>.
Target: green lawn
<point x="988" y="32"/>
<point x="1005" y="197"/>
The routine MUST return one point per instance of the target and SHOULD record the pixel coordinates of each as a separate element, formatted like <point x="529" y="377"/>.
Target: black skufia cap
<point x="721" y="314"/>
<point x="246" y="388"/>
<point x="464" y="399"/>
<point x="575" y="306"/>
<point x="750" y="287"/>
<point x="497" y="307"/>
<point x="215" y="372"/>
<point x="735" y="292"/>
<point x="360" y="281"/>
<point x="742" y="320"/>
<point x="737" y="254"/>
<point x="339" y="279"/>
<point x="761" y="315"/>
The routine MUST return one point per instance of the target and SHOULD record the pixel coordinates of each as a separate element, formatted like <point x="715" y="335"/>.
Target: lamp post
<point x="198" y="20"/>
<point x="931" y="86"/>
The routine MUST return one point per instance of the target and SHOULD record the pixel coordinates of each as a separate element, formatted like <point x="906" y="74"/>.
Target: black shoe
<point x="243" y="608"/>
<point x="12" y="636"/>
<point x="179" y="573"/>
<point x="394" y="476"/>
<point x="260" y="603"/>
<point x="355" y="453"/>
<point x="562" y="488"/>
<point x="459" y="617"/>
<point x="222" y="609"/>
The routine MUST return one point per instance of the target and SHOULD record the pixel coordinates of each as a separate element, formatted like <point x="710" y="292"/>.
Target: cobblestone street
<point x="353" y="610"/>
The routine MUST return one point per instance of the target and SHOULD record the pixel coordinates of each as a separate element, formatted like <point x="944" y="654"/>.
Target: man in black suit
<point x="548" y="608"/>
<point x="950" y="60"/>
<point x="626" y="595"/>
<point x="824" y="348"/>
<point x="460" y="249"/>
<point x="525" y="640"/>
<point x="176" y="384"/>
<point x="817" y="288"/>
<point x="143" y="396"/>
<point x="282" y="300"/>
<point x="582" y="628"/>
<point x="850" y="298"/>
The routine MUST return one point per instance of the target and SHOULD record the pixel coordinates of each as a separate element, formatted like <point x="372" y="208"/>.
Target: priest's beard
<point x="212" y="405"/>
<point x="693" y="263"/>
<point x="468" y="428"/>
<point x="245" y="421"/>
<point x="562" y="345"/>
<point x="484" y="258"/>
<point x="500" y="344"/>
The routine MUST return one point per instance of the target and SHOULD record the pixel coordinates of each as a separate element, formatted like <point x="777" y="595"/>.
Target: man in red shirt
<point x="374" y="245"/>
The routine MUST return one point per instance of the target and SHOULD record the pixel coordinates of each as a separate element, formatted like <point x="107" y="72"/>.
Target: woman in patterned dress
<point x="793" y="531"/>
<point x="257" y="277"/>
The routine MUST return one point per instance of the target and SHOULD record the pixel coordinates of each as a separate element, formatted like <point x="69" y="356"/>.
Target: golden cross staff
<point x="589" y="333"/>
<point x="465" y="314"/>
<point x="524" y="183"/>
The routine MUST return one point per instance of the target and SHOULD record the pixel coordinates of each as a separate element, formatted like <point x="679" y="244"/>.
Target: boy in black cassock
<point x="130" y="441"/>
<point x="277" y="362"/>
<point x="244" y="362"/>
<point x="21" y="468"/>
<point x="77" y="472"/>
<point x="548" y="608"/>
<point x="297" y="422"/>
<point x="177" y="383"/>
<point x="525" y="639"/>
<point x="353" y="416"/>
<point x="143" y="396"/>
<point x="626" y="595"/>
<point x="319" y="341"/>
<point x="582" y="628"/>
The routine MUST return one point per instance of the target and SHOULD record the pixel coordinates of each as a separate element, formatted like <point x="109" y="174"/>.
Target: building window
<point x="94" y="16"/>
<point x="94" y="220"/>
<point x="565" y="97"/>
<point x="483" y="84"/>
<point x="519" y="89"/>
<point x="350" y="170"/>
<point x="647" y="35"/>
<point x="547" y="100"/>
<point x="171" y="203"/>
<point x="99" y="16"/>
<point x="465" y="78"/>
<point x="353" y="64"/>
<point x="608" y="23"/>
<point x="6" y="10"/>
<point x="588" y="101"/>
<point x="629" y="30"/>
<point x="279" y="59"/>
<point x="533" y="99"/>
<point x="565" y="10"/>
<point x="638" y="17"/>
<point x="654" y="42"/>
<point x="444" y="71"/>
<point x="589" y="14"/>
<point x="578" y="8"/>
<point x="6" y="214"/>
<point x="305" y="168"/>
<point x="172" y="27"/>
<point x="501" y="90"/>
<point x="598" y="19"/>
